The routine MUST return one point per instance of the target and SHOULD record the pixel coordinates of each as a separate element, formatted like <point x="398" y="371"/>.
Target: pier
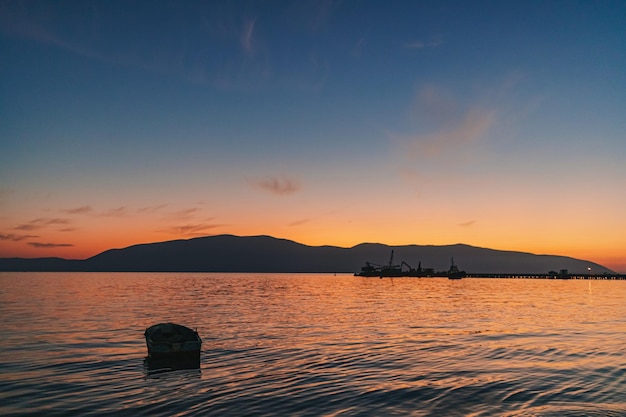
<point x="391" y="270"/>
<point x="549" y="276"/>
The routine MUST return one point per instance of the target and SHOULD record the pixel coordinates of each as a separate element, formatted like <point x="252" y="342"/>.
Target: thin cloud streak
<point x="278" y="185"/>
<point x="436" y="105"/>
<point x="246" y="38"/>
<point x="42" y="23"/>
<point x="78" y="210"/>
<point x="199" y="229"/>
<point x="151" y="209"/>
<point x="41" y="223"/>
<point x="16" y="238"/>
<point x="116" y="212"/>
<point x="451" y="125"/>
<point x="185" y="213"/>
<point x="121" y="211"/>
<point x="49" y="245"/>
<point x="27" y="23"/>
<point x="468" y="223"/>
<point x="357" y="49"/>
<point x="474" y="126"/>
<point x="432" y="43"/>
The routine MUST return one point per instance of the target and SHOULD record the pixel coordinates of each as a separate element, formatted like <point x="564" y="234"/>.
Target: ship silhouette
<point x="405" y="270"/>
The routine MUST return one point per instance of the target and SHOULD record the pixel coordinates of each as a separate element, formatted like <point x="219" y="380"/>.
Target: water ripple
<point x="308" y="345"/>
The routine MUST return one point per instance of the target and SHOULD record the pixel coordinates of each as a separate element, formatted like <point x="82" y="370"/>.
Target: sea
<point x="313" y="345"/>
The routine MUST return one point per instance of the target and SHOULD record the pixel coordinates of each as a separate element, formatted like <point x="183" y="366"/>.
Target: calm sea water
<point x="313" y="344"/>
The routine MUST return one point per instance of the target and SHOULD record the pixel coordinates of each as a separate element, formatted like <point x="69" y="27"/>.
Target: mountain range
<point x="228" y="253"/>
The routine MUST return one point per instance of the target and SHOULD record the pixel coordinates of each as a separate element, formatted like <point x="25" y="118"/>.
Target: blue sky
<point x="320" y="121"/>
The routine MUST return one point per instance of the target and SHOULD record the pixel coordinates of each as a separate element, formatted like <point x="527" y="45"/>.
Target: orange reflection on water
<point x="308" y="336"/>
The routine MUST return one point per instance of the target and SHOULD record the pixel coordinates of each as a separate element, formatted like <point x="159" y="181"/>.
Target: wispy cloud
<point x="357" y="48"/>
<point x="448" y="138"/>
<point x="313" y="15"/>
<point x="186" y="213"/>
<point x="78" y="210"/>
<point x="468" y="223"/>
<point x="436" y="105"/>
<point x="299" y="222"/>
<point x="474" y="125"/>
<point x="249" y="69"/>
<point x="47" y="23"/>
<point x="49" y="245"/>
<point x="446" y="125"/>
<point x="246" y="38"/>
<point x="16" y="238"/>
<point x="122" y="211"/>
<point x="151" y="209"/>
<point x="197" y="229"/>
<point x="280" y="185"/>
<point x="116" y="212"/>
<point x="40" y="22"/>
<point x="41" y="223"/>
<point x="419" y="44"/>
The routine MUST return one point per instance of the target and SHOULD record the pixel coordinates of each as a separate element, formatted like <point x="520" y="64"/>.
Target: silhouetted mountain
<point x="227" y="253"/>
<point x="40" y="264"/>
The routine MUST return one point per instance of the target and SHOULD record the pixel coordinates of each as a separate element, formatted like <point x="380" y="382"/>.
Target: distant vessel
<point x="390" y="270"/>
<point x="454" y="273"/>
<point x="405" y="270"/>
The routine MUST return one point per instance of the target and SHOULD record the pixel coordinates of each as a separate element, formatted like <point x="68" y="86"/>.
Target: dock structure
<point x="548" y="276"/>
<point x="404" y="270"/>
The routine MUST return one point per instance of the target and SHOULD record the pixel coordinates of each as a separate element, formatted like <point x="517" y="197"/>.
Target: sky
<point x="497" y="124"/>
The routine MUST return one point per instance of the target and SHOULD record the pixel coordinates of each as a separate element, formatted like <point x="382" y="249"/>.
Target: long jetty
<point x="548" y="276"/>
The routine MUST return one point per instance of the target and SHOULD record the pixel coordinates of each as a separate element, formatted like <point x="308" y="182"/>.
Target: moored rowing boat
<point x="172" y="340"/>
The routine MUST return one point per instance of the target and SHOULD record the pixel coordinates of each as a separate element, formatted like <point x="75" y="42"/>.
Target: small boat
<point x="169" y="340"/>
<point x="454" y="273"/>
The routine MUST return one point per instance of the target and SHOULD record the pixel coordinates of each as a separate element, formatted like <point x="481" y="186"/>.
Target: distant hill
<point x="39" y="264"/>
<point x="228" y="253"/>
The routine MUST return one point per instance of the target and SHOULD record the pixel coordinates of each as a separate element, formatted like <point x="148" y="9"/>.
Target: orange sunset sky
<point x="493" y="124"/>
